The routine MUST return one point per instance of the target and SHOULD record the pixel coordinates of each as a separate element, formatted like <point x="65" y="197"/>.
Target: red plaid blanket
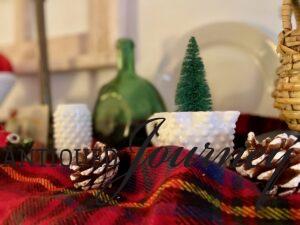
<point x="200" y="194"/>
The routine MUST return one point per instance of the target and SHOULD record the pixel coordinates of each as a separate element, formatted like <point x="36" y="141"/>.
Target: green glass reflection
<point x="124" y="102"/>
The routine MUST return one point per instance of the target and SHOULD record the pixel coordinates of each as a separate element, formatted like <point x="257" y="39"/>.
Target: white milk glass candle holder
<point x="195" y="129"/>
<point x="72" y="128"/>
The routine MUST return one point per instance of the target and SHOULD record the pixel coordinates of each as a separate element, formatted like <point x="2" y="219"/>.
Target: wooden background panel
<point x="90" y="50"/>
<point x="66" y="17"/>
<point x="7" y="22"/>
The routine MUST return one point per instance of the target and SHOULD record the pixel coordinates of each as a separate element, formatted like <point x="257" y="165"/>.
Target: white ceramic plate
<point x="240" y="64"/>
<point x="7" y="81"/>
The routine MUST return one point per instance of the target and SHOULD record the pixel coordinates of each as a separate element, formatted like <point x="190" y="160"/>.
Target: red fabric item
<point x="258" y="124"/>
<point x="5" y="65"/>
<point x="200" y="194"/>
<point x="3" y="137"/>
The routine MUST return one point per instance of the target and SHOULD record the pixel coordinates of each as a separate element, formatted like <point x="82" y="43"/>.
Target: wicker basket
<point x="287" y="87"/>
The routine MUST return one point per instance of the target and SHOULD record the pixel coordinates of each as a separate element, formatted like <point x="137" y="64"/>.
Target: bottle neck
<point x="126" y="61"/>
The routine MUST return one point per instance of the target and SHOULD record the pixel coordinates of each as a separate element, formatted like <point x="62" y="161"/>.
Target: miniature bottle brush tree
<point x="192" y="92"/>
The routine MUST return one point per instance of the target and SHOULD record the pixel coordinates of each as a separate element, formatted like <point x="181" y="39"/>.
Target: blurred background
<point x="156" y="27"/>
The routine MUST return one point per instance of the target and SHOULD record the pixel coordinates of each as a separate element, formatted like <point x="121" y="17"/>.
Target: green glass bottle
<point x="125" y="102"/>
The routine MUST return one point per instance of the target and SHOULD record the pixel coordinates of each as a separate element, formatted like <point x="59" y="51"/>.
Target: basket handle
<point x="290" y="7"/>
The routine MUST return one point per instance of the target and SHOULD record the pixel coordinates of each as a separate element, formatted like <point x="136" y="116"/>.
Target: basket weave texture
<point x="287" y="87"/>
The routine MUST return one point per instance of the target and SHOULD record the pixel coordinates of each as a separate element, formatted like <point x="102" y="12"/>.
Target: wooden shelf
<point x="92" y="50"/>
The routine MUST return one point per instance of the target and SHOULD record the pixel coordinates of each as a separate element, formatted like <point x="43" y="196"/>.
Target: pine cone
<point x="289" y="180"/>
<point x="94" y="168"/>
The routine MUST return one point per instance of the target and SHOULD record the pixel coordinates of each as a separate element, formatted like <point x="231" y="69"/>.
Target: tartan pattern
<point x="258" y="124"/>
<point x="201" y="194"/>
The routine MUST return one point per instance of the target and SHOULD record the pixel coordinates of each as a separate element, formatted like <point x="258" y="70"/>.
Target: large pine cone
<point x="94" y="168"/>
<point x="289" y="180"/>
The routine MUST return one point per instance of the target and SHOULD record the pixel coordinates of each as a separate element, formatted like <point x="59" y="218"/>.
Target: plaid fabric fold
<point x="200" y="194"/>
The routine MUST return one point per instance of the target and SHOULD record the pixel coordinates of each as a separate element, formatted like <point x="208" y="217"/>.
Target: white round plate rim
<point x="242" y="35"/>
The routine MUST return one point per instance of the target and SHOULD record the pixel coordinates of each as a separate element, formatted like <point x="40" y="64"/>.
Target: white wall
<point x="161" y="22"/>
<point x="66" y="88"/>
<point x="155" y="25"/>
